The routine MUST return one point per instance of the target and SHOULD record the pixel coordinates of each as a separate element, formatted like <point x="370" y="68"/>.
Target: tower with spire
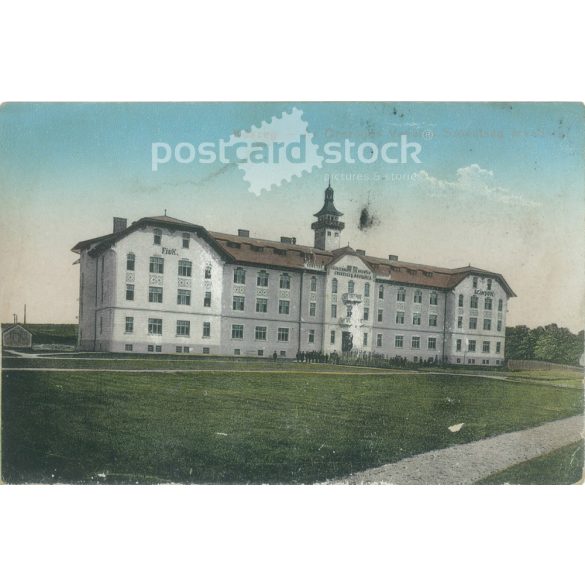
<point x="328" y="227"/>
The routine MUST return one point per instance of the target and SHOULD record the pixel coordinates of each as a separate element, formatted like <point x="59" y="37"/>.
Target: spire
<point x="328" y="226"/>
<point x="328" y="205"/>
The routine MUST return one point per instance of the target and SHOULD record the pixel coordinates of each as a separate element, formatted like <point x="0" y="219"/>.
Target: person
<point x="274" y="356"/>
<point x="298" y="356"/>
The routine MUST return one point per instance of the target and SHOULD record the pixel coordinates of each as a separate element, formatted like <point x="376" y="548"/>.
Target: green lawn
<point x="563" y="466"/>
<point x="237" y="427"/>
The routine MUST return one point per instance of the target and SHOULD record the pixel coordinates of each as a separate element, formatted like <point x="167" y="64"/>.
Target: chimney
<point x="393" y="257"/>
<point x="120" y="224"/>
<point x="244" y="233"/>
<point x="287" y="240"/>
<point x="360" y="252"/>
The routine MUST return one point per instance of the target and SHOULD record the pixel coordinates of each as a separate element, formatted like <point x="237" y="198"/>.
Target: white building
<point x="169" y="286"/>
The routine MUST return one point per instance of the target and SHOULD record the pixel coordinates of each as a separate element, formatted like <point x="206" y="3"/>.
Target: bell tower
<point x="328" y="227"/>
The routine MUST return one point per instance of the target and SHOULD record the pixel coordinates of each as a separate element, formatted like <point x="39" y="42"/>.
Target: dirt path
<point x="466" y="464"/>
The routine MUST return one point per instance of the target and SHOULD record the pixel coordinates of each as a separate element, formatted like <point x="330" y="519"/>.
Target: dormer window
<point x="130" y="261"/>
<point x="157" y="237"/>
<point x="233" y="245"/>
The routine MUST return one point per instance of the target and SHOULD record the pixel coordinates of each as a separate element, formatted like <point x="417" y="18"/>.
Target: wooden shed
<point x="16" y="336"/>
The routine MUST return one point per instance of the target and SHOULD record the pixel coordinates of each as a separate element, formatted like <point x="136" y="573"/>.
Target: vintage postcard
<point x="292" y="293"/>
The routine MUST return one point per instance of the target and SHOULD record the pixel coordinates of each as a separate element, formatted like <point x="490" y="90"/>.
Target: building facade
<point x="163" y="285"/>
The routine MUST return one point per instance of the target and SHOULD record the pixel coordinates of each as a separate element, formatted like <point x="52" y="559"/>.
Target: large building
<point x="163" y="285"/>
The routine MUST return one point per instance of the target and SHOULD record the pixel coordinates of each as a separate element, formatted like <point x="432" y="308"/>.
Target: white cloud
<point x="471" y="182"/>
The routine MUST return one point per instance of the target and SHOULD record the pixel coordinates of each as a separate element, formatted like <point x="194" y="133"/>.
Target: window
<point x="186" y="239"/>
<point x="237" y="332"/>
<point x="238" y="303"/>
<point x="157" y="265"/>
<point x="282" y="353"/>
<point x="351" y="287"/>
<point x="498" y="347"/>
<point x="130" y="261"/>
<point x="128" y="347"/>
<point x="460" y="300"/>
<point x="473" y="302"/>
<point x="417" y="296"/>
<point x="283" y="334"/>
<point x="459" y="322"/>
<point x="332" y="337"/>
<point x="400" y="317"/>
<point x="334" y="286"/>
<point x="179" y="349"/>
<point x="401" y="295"/>
<point x="206" y="350"/>
<point x="101" y="324"/>
<point x="261" y="305"/>
<point x="311" y="336"/>
<point x="458" y="345"/>
<point x="186" y="349"/>
<point x="158" y="348"/>
<point x="416" y="318"/>
<point x="129" y="325"/>
<point x="206" y="329"/>
<point x="499" y="325"/>
<point x="208" y="272"/>
<point x="471" y="345"/>
<point x="151" y="348"/>
<point x="365" y="339"/>
<point x="399" y="341"/>
<point x="237" y="352"/>
<point x="183" y="328"/>
<point x="475" y="282"/>
<point x="432" y="320"/>
<point x="312" y="309"/>
<point x="240" y="276"/>
<point x="185" y="267"/>
<point x="366" y="313"/>
<point x="313" y="284"/>
<point x="473" y="322"/>
<point x="129" y="292"/>
<point x="334" y="311"/>
<point x="487" y="305"/>
<point x="260" y="334"/>
<point x="500" y="305"/>
<point x="432" y="343"/>
<point x="285" y="281"/>
<point x="470" y="361"/>
<point x="157" y="237"/>
<point x="207" y="299"/>
<point x="486" y="347"/>
<point x="183" y="297"/>
<point x="260" y="352"/>
<point x="381" y="292"/>
<point x="379" y="340"/>
<point x="489" y="284"/>
<point x="283" y="307"/>
<point x="415" y="343"/>
<point x="155" y="326"/>
<point x="434" y="298"/>
<point x="487" y="324"/>
<point x="262" y="278"/>
<point x="367" y="289"/>
<point x="155" y="294"/>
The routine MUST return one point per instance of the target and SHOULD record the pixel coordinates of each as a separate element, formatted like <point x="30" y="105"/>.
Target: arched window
<point x="434" y="299"/>
<point x="130" y="261"/>
<point x="313" y="284"/>
<point x="460" y="300"/>
<point x="262" y="278"/>
<point x="208" y="271"/>
<point x="157" y="237"/>
<point x="239" y="276"/>
<point x="284" y="280"/>
<point x="350" y="287"/>
<point x="367" y="289"/>
<point x="334" y="285"/>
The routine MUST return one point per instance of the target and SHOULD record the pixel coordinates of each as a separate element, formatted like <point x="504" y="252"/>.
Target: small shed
<point x="16" y="336"/>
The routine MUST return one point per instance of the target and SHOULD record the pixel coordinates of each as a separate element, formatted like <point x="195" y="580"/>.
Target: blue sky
<point x="499" y="185"/>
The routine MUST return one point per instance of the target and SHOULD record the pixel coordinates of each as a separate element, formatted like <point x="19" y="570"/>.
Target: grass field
<point x="561" y="467"/>
<point x="57" y="333"/>
<point x="302" y="423"/>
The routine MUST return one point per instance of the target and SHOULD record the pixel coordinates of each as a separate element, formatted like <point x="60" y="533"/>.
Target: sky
<point x="497" y="186"/>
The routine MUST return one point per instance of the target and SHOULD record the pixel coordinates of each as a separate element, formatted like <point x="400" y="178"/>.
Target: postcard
<point x="292" y="293"/>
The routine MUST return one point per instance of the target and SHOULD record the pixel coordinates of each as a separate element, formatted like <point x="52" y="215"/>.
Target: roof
<point x="9" y="326"/>
<point x="328" y="206"/>
<point x="273" y="254"/>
